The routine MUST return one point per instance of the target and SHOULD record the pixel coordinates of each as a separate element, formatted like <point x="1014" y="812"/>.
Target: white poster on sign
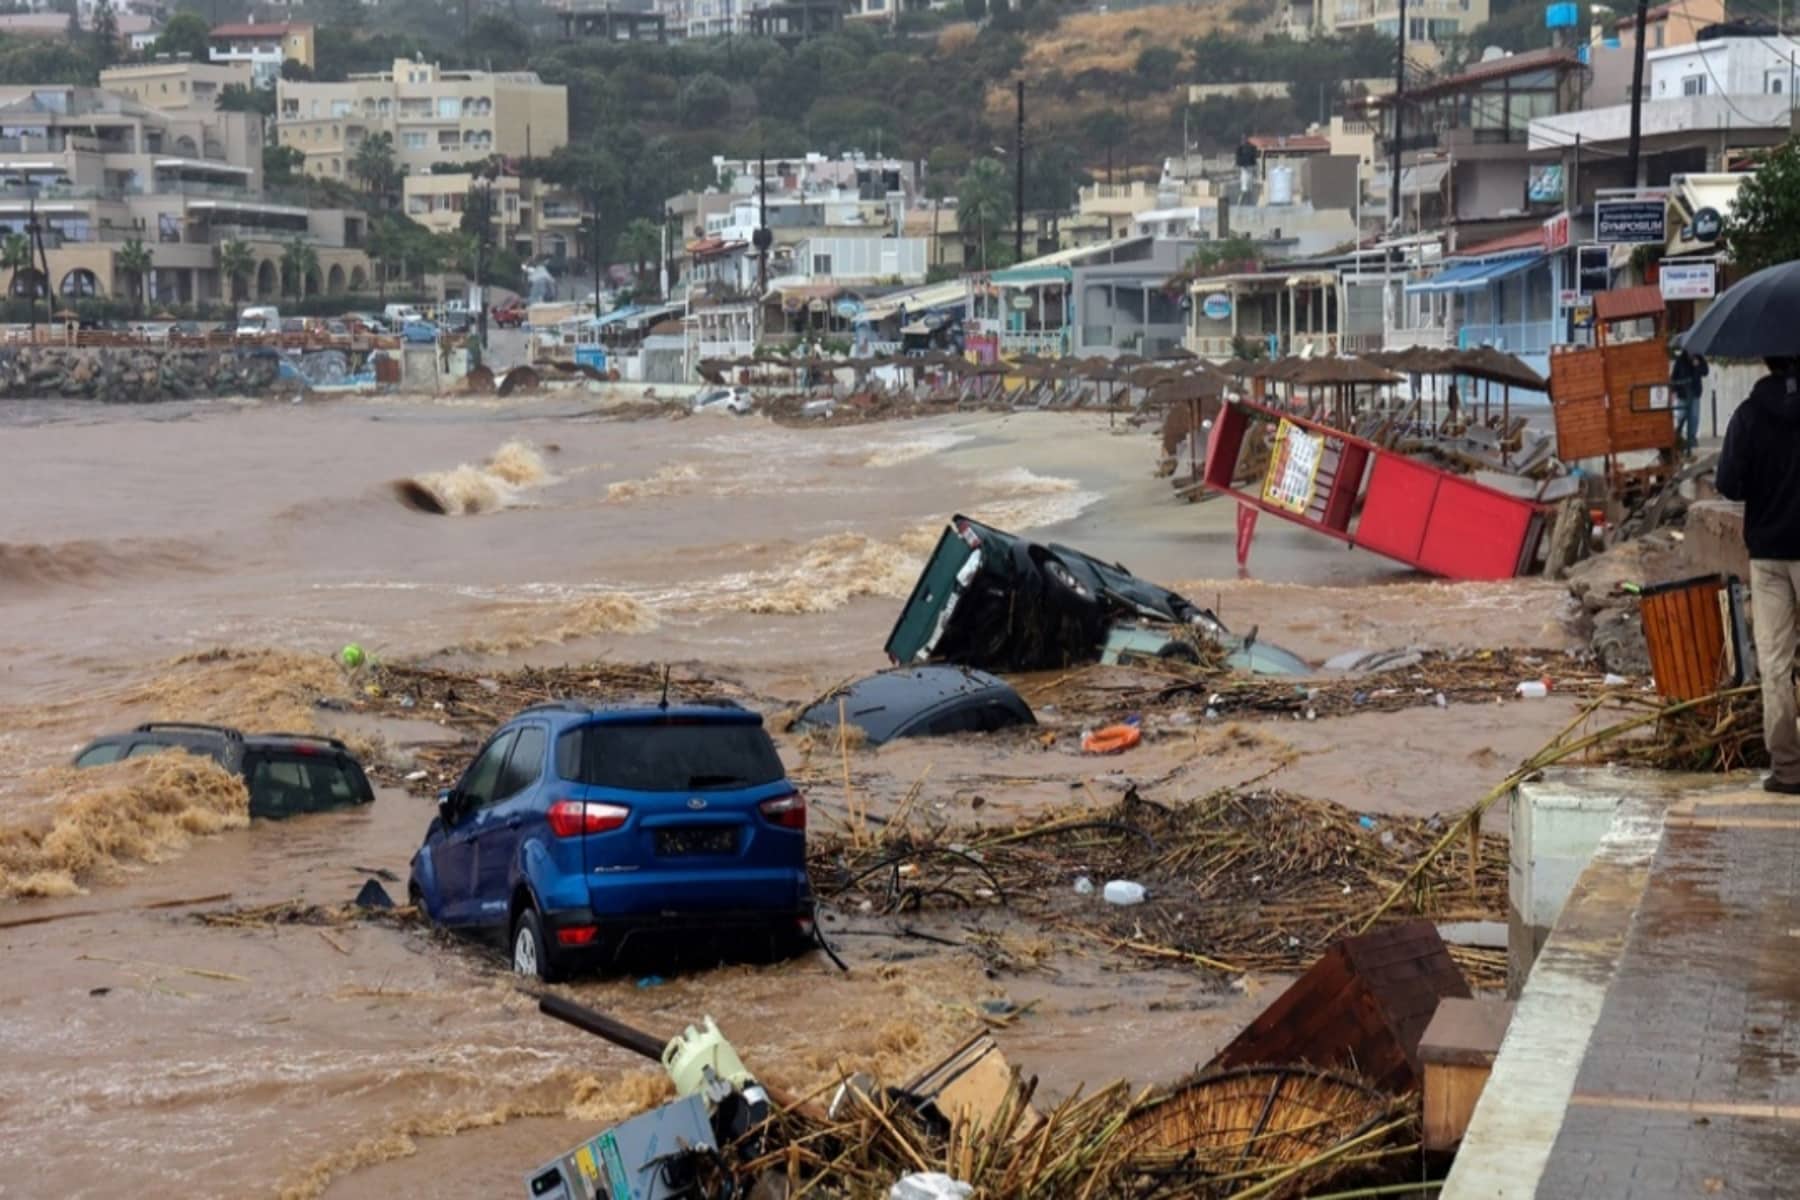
<point x="1689" y="281"/>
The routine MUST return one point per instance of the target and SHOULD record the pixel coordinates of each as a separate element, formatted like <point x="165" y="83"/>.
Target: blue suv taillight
<point x="788" y="812"/>
<point x="574" y="818"/>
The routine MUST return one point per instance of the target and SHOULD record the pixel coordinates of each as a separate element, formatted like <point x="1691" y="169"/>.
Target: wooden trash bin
<point x="1691" y="629"/>
<point x="1457" y="1054"/>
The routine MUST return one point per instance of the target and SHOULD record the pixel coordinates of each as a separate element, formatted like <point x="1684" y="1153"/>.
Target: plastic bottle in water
<point x="1533" y="689"/>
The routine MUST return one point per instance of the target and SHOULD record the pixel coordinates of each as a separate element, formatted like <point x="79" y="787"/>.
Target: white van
<point x="399" y="314"/>
<point x="258" y="321"/>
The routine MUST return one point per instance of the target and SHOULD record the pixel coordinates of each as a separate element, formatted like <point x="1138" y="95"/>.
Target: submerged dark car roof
<point x="881" y="704"/>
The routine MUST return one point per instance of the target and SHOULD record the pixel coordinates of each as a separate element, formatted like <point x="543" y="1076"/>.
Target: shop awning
<point x="1465" y="277"/>
<point x="1423" y="179"/>
<point x="1032" y="276"/>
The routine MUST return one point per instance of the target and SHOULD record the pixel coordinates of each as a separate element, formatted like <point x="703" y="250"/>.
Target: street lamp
<point x="34" y="241"/>
<point x="484" y="188"/>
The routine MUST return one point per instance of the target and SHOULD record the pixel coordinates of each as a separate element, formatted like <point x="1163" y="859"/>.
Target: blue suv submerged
<point x="578" y="829"/>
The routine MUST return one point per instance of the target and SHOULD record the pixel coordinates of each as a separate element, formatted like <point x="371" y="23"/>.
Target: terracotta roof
<point x="1528" y="239"/>
<point x="1626" y="304"/>
<point x="1300" y="143"/>
<point x="1499" y="68"/>
<point x="256" y="30"/>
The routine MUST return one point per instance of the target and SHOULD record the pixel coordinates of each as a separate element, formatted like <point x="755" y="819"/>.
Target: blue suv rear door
<point x="515" y="813"/>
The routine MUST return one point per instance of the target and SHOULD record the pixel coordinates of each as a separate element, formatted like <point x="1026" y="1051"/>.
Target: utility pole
<point x="1394" y="201"/>
<point x="1637" y="93"/>
<point x="594" y="200"/>
<point x="762" y="239"/>
<point x="1019" y="180"/>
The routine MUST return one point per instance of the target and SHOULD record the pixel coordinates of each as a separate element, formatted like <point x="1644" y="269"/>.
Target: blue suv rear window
<point x="668" y="758"/>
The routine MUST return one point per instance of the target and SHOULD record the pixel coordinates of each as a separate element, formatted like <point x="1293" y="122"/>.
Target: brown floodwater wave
<point x="31" y="566"/>
<point x="103" y="818"/>
<point x="474" y="488"/>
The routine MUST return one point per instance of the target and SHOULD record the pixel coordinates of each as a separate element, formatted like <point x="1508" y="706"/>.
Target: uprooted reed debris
<point x="1258" y="1132"/>
<point x="1237" y="880"/>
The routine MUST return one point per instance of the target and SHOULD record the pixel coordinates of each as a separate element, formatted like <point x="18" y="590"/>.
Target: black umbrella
<point x="1755" y="318"/>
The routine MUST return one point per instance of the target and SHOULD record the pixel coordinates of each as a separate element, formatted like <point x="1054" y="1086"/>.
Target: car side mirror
<point x="447" y="806"/>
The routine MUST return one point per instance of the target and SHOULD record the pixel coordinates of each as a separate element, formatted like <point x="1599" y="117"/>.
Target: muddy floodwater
<point x="205" y="561"/>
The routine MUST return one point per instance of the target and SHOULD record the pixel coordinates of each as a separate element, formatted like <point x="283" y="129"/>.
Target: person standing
<point x="1760" y="466"/>
<point x="1685" y="375"/>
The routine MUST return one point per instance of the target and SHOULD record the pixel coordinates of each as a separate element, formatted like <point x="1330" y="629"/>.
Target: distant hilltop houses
<point x="1478" y="202"/>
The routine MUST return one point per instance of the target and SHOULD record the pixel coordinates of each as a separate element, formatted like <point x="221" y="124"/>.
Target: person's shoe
<point x="1781" y="786"/>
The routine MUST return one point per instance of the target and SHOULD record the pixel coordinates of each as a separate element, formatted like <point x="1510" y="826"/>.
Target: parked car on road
<point x="418" y="330"/>
<point x="509" y="315"/>
<point x="733" y="400"/>
<point x="286" y="773"/>
<point x="579" y="831"/>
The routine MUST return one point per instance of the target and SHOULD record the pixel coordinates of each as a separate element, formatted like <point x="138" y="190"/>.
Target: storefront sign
<point x="1545" y="185"/>
<point x="1568" y="298"/>
<point x="849" y="309"/>
<point x="1556" y="233"/>
<point x="1293" y="468"/>
<point x="1022" y="301"/>
<point x="1689" y="281"/>
<point x="1216" y="306"/>
<point x="1630" y="222"/>
<point x="1708" y="225"/>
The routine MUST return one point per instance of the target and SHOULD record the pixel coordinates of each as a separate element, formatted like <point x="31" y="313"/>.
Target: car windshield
<point x="668" y="758"/>
<point x="286" y="782"/>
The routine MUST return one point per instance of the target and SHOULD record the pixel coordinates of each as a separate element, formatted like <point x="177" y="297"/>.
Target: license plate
<point x="717" y="839"/>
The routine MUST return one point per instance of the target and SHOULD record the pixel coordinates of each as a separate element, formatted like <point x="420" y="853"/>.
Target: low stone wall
<point x="1715" y="538"/>
<point x="136" y="376"/>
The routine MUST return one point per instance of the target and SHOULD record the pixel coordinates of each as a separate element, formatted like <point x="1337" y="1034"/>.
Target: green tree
<point x="241" y="97"/>
<point x="186" y="33"/>
<point x="236" y="262"/>
<point x="705" y="101"/>
<point x="385" y="245"/>
<point x="1764" y="226"/>
<point x="1157" y="66"/>
<point x="500" y="43"/>
<point x="640" y="243"/>
<point x="134" y="260"/>
<point x="298" y="260"/>
<point x="373" y="164"/>
<point x="981" y="205"/>
<point x="15" y="256"/>
<point x="282" y="164"/>
<point x="105" y="34"/>
<point x="1228" y="256"/>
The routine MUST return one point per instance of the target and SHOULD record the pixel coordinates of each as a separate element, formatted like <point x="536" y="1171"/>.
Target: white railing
<point x="1051" y="342"/>
<point x="1431" y="337"/>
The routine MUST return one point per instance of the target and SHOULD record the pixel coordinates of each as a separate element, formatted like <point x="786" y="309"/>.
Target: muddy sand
<point x="204" y="561"/>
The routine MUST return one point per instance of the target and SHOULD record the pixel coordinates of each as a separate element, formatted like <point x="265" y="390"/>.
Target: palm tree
<point x="298" y="260"/>
<point x="373" y="163"/>
<point x="15" y="256"/>
<point x="382" y="245"/>
<point x="981" y="202"/>
<point x="235" y="262"/>
<point x="134" y="260"/>
<point x="639" y="243"/>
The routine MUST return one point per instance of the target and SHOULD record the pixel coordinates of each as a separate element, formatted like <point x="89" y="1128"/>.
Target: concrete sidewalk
<point x="1654" y="1051"/>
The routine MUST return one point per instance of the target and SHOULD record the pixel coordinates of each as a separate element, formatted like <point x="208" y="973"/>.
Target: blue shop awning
<point x="1463" y="277"/>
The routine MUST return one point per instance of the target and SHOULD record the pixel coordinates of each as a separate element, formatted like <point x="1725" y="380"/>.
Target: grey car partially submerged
<point x="928" y="701"/>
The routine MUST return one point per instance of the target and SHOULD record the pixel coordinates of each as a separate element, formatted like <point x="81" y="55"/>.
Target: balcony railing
<point x="1515" y="337"/>
<point x="1035" y="341"/>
